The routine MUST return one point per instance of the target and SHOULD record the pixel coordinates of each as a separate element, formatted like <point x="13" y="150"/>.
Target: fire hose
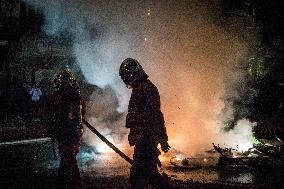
<point x="118" y="151"/>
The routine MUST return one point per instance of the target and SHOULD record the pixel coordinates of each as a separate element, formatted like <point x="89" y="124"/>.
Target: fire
<point x="172" y="154"/>
<point x="103" y="148"/>
<point x="163" y="158"/>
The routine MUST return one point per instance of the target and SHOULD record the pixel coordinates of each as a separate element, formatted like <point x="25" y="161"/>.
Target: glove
<point x="165" y="146"/>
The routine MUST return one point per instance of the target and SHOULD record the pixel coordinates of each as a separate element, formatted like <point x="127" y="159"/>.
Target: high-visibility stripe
<point x="16" y="142"/>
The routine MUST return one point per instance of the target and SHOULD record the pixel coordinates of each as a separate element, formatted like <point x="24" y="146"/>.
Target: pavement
<point x="31" y="164"/>
<point x="27" y="161"/>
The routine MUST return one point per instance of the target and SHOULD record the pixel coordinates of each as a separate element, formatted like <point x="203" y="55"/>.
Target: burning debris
<point x="260" y="156"/>
<point x="193" y="162"/>
<point x="263" y="154"/>
<point x="181" y="160"/>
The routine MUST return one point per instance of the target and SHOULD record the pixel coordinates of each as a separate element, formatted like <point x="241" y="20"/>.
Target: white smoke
<point x="240" y="138"/>
<point x="187" y="55"/>
<point x="100" y="43"/>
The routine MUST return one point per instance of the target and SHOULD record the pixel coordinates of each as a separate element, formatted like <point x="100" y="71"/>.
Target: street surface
<point x="31" y="164"/>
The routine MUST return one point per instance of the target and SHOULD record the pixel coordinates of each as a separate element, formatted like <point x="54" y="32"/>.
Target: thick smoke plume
<point x="183" y="46"/>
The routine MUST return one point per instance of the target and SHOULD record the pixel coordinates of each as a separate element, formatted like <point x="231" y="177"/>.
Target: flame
<point x="163" y="158"/>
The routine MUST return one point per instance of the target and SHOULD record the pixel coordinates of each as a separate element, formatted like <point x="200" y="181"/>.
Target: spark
<point x="149" y="12"/>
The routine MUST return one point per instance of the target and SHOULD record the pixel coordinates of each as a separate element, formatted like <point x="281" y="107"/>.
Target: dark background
<point x="19" y="22"/>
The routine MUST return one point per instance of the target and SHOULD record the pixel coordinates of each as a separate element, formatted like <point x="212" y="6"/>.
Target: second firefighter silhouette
<point x="64" y="110"/>
<point x="146" y="123"/>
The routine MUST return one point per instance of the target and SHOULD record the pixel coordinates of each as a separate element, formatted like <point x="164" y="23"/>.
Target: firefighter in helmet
<point x="146" y="123"/>
<point x="65" y="110"/>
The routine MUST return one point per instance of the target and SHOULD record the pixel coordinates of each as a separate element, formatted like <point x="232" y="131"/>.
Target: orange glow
<point x="191" y="81"/>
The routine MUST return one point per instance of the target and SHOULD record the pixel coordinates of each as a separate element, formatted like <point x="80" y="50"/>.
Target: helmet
<point x="131" y="72"/>
<point x="64" y="78"/>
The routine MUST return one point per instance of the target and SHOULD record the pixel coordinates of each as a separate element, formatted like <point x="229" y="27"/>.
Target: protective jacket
<point x="144" y="118"/>
<point x="64" y="110"/>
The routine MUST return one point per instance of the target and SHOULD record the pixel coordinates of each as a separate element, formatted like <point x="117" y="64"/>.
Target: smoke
<point x="240" y="137"/>
<point x="197" y="57"/>
<point x="102" y="114"/>
<point x="184" y="46"/>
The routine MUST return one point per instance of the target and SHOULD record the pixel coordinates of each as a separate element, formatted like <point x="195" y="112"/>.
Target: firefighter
<point x="65" y="110"/>
<point x="146" y="123"/>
